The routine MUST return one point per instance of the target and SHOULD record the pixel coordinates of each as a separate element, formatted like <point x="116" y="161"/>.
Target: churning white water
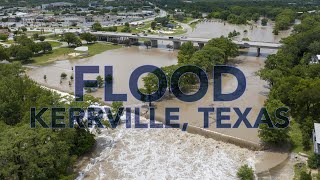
<point x="163" y="154"/>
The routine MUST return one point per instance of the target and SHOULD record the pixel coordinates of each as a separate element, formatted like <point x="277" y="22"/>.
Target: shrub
<point x="305" y="176"/>
<point x="314" y="161"/>
<point x="63" y="75"/>
<point x="245" y="173"/>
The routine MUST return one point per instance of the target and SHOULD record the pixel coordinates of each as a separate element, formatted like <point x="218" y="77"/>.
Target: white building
<point x="316" y="138"/>
<point x="315" y="59"/>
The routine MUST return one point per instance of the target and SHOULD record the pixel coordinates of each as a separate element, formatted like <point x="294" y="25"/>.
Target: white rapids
<point x="163" y="154"/>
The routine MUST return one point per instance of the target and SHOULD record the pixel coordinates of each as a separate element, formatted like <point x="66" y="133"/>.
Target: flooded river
<point x="170" y="154"/>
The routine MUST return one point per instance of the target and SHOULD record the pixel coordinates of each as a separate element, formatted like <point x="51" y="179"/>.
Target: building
<point x="315" y="60"/>
<point x="316" y="138"/>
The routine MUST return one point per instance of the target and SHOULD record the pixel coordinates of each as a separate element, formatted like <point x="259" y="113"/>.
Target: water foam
<point x="164" y="154"/>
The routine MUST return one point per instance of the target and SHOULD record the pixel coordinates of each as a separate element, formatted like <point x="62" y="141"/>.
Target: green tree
<point x="35" y="36"/>
<point x="264" y="22"/>
<point x="147" y="44"/>
<point x="88" y="37"/>
<point x="153" y="25"/>
<point x="45" y="46"/>
<point x="115" y="106"/>
<point x="63" y="75"/>
<point x="24" y="53"/>
<point x="229" y="48"/>
<point x="3" y="37"/>
<point x="97" y="26"/>
<point x="186" y="51"/>
<point x="273" y="135"/>
<point x="314" y="48"/>
<point x="42" y="38"/>
<point x="150" y="86"/>
<point x="4" y="55"/>
<point x="71" y="39"/>
<point x="305" y="176"/>
<point x="245" y="173"/>
<point x="100" y="81"/>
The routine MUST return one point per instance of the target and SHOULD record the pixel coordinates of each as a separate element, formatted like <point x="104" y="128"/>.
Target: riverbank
<point x="64" y="53"/>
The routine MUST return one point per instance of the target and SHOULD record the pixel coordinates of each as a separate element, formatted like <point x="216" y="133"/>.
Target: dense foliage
<point x="294" y="81"/>
<point x="24" y="49"/>
<point x="39" y="153"/>
<point x="215" y="52"/>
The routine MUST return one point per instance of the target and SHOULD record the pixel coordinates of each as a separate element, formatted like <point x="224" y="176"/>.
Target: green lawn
<point x="296" y="139"/>
<point x="193" y="25"/>
<point x="98" y="48"/>
<point x="57" y="54"/>
<point x="55" y="44"/>
<point x="62" y="53"/>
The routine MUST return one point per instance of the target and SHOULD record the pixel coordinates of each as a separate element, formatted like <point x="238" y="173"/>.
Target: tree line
<point x="215" y="52"/>
<point x="39" y="153"/>
<point x="24" y="49"/>
<point x="294" y="82"/>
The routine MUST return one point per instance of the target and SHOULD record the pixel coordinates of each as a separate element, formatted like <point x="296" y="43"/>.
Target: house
<point x="315" y="60"/>
<point x="316" y="138"/>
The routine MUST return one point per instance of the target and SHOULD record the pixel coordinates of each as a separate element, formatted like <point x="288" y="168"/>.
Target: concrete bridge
<point x="177" y="41"/>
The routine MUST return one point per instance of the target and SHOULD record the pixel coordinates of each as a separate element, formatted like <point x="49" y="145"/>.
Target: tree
<point x="88" y="37"/>
<point x="4" y="55"/>
<point x="100" y="81"/>
<point x="273" y="135"/>
<point x="153" y="25"/>
<point x="42" y="38"/>
<point x="157" y="10"/>
<point x="35" y="153"/>
<point x="97" y="26"/>
<point x="150" y="86"/>
<point x="314" y="161"/>
<point x="45" y="46"/>
<point x="23" y="53"/>
<point x="63" y="75"/>
<point x="305" y="176"/>
<point x="115" y="106"/>
<point x="24" y="29"/>
<point x="186" y="51"/>
<point x="229" y="48"/>
<point x="3" y="37"/>
<point x="245" y="173"/>
<point x="314" y="48"/>
<point x="35" y="36"/>
<point x="147" y="44"/>
<point x="264" y="21"/>
<point x="71" y="38"/>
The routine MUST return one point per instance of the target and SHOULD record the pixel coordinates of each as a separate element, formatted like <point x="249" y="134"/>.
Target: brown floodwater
<point x="122" y="157"/>
<point x="255" y="32"/>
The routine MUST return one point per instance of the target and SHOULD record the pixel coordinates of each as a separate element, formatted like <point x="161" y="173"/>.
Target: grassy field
<point x="62" y="53"/>
<point x="55" y="44"/>
<point x="296" y="139"/>
<point x="193" y="25"/>
<point x="57" y="54"/>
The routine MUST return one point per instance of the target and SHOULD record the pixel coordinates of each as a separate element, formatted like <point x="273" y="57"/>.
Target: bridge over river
<point x="177" y="41"/>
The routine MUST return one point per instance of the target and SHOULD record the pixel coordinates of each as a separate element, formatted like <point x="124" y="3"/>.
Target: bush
<point x="245" y="173"/>
<point x="63" y="75"/>
<point x="305" y="176"/>
<point x="42" y="38"/>
<point x="314" y="161"/>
